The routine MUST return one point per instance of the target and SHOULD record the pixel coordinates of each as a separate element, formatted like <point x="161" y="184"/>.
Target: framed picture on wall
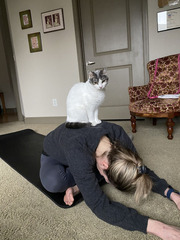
<point x="25" y="19"/>
<point x="35" y="44"/>
<point x="167" y="20"/>
<point x="53" y="20"/>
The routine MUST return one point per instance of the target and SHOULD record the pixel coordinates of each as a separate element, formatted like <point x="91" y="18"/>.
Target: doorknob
<point x="89" y="63"/>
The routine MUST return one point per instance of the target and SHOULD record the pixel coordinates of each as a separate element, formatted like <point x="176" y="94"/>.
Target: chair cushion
<point x="167" y="76"/>
<point x="155" y="106"/>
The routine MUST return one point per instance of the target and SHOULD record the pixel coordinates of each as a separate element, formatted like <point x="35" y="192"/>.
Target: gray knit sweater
<point x="75" y="148"/>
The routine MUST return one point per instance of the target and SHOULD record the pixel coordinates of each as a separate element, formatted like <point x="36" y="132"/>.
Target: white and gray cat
<point x="84" y="100"/>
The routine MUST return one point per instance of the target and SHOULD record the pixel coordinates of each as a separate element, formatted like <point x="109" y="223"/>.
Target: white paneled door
<point x="113" y="38"/>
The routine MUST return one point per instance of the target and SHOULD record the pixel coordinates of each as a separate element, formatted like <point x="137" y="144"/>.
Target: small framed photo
<point x="35" y="44"/>
<point x="25" y="19"/>
<point x="168" y="20"/>
<point x="53" y="20"/>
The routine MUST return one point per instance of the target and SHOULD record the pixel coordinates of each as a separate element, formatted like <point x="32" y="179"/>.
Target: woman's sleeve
<point x="159" y="184"/>
<point x="117" y="133"/>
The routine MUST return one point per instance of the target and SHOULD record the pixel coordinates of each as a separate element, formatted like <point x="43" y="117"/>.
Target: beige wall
<point x="162" y="43"/>
<point x="49" y="74"/>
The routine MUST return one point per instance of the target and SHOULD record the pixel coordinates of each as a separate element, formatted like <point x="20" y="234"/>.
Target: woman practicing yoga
<point x="76" y="160"/>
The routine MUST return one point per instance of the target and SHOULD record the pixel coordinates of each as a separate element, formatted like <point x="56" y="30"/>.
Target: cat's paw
<point x="96" y="122"/>
<point x="93" y="124"/>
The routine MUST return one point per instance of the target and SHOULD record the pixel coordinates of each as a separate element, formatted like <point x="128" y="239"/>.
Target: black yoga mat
<point x="22" y="151"/>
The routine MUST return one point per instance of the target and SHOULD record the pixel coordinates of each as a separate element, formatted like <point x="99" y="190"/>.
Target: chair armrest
<point x="137" y="93"/>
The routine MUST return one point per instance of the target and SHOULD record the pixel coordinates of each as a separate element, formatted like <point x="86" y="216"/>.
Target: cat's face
<point x="98" y="79"/>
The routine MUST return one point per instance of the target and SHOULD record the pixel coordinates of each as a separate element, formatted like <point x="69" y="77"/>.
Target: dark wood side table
<point x="3" y="102"/>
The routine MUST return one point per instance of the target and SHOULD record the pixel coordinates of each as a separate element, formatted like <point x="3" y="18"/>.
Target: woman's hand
<point x="69" y="195"/>
<point x="164" y="231"/>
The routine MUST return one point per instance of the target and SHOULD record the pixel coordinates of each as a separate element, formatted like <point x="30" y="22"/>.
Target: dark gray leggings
<point x="54" y="176"/>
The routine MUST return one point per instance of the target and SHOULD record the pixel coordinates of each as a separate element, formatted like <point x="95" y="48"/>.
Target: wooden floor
<point x="9" y="117"/>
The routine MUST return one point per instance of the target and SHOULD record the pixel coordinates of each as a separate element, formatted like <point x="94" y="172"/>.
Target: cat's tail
<point x="76" y="125"/>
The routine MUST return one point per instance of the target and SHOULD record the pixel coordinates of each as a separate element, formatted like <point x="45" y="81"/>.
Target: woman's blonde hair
<point x="127" y="172"/>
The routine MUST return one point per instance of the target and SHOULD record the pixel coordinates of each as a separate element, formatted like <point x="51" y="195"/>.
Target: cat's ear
<point x="90" y="74"/>
<point x="104" y="71"/>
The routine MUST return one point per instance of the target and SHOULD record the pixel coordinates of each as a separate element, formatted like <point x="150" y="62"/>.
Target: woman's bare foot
<point x="69" y="195"/>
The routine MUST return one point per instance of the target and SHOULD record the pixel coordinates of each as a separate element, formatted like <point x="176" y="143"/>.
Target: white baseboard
<point x="45" y="120"/>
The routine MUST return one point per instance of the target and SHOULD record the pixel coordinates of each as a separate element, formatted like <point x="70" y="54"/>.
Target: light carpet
<point x="27" y="214"/>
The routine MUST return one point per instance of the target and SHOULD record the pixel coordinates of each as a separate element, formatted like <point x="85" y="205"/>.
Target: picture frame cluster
<point x="51" y="21"/>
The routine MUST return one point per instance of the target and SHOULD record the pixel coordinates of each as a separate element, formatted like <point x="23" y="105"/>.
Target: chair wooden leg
<point x="133" y="123"/>
<point x="154" y="121"/>
<point x="170" y="125"/>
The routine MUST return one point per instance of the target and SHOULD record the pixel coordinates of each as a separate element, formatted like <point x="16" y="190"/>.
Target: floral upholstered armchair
<point x="160" y="97"/>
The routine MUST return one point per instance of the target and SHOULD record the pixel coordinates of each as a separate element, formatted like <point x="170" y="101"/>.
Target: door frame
<point x="9" y="57"/>
<point x="79" y="38"/>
